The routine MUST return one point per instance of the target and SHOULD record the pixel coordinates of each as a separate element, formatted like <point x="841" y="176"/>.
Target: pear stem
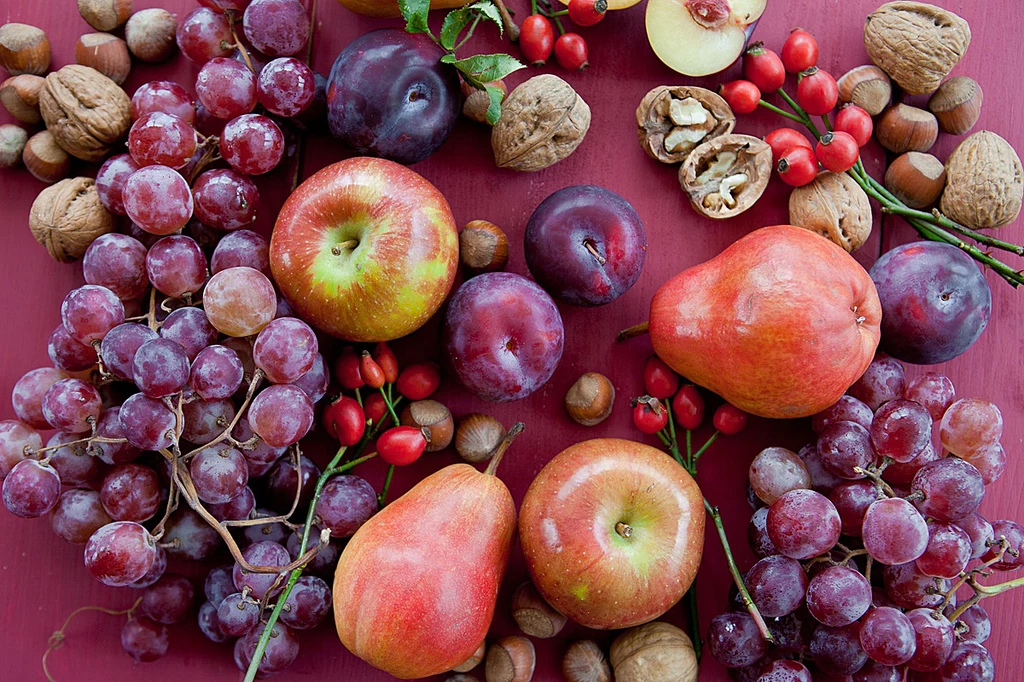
<point x="499" y="451"/>
<point x="635" y="330"/>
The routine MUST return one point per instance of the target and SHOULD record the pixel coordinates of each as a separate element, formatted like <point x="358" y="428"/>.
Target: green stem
<point x="940" y="220"/>
<point x="533" y="6"/>
<point x="828" y="123"/>
<point x="704" y="448"/>
<point x="689" y="449"/>
<point x="391" y="407"/>
<point x="332" y="469"/>
<point x="382" y="499"/>
<point x="804" y="118"/>
<point x="781" y="112"/>
<point x="359" y="397"/>
<point x="558" y="25"/>
<point x="472" y="27"/>
<point x="691" y="596"/>
<point x="557" y="14"/>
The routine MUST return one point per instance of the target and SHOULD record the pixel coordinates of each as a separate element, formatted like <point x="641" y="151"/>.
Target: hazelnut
<point x="44" y="158"/>
<point x="957" y="104"/>
<point x="542" y="122"/>
<point x="916" y="179"/>
<point x="585" y="662"/>
<point x="476" y="102"/>
<point x="477" y="436"/>
<point x="12" y="144"/>
<point x="726" y="175"/>
<point x="435" y="418"/>
<point x="673" y="120"/>
<point x="86" y="111"/>
<point x="590" y="400"/>
<point x="105" y="15"/>
<point x="473" y="661"/>
<point x="67" y="217"/>
<point x="533" y="615"/>
<point x="866" y="86"/>
<point x="24" y="49"/>
<point x="483" y="247"/>
<point x="834" y="206"/>
<point x="20" y="96"/>
<point x="150" y="34"/>
<point x="903" y="128"/>
<point x="106" y="53"/>
<point x="510" y="659"/>
<point x="655" y="652"/>
<point x="984" y="182"/>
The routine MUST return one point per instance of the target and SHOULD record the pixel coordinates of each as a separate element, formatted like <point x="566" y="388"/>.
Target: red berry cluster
<point x="537" y="34"/>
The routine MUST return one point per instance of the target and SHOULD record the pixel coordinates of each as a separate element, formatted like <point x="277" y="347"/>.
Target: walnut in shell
<point x="655" y="652"/>
<point x="725" y="176"/>
<point x="542" y="122"/>
<point x="834" y="206"/>
<point x="984" y="182"/>
<point x="673" y="120"/>
<point x="86" y="111"/>
<point x="917" y="44"/>
<point x="67" y="217"/>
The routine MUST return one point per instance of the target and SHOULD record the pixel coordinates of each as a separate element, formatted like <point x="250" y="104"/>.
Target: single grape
<point x="169" y="599"/>
<point x="933" y="390"/>
<point x="218" y="583"/>
<point x="238" y="508"/>
<point x="204" y="35"/>
<point x="216" y="373"/>
<point x="158" y="200"/>
<point x="976" y="620"/>
<point x="902" y="473"/>
<point x="277" y="28"/>
<point x="901" y="430"/>
<point x="852" y="499"/>
<point x="110" y="180"/>
<point x="69" y="355"/>
<point x="239" y="301"/>
<point x="144" y="639"/>
<point x="877" y="672"/>
<point x="969" y="426"/>
<point x="190" y="537"/>
<point x="147" y="423"/>
<point x="205" y="420"/>
<point x="238" y="614"/>
<point x="990" y="463"/>
<point x="884" y="380"/>
<point x="324" y="561"/>
<point x="308" y="603"/>
<point x="838" y="596"/>
<point x="1013" y="557"/>
<point x="160" y="368"/>
<point x="822" y="479"/>
<point x="887" y="636"/>
<point x="803" y="524"/>
<point x="734" y="641"/>
<point x="18" y="441"/>
<point x="272" y="531"/>
<point x="225" y="200"/>
<point x="154" y="573"/>
<point x="785" y="670"/>
<point x="89" y="312"/>
<point x="792" y="633"/>
<point x="73" y="463"/>
<point x="948" y="551"/>
<point x="286" y="87"/>
<point x="774" y="472"/>
<point x="282" y="648"/>
<point x="314" y="383"/>
<point x="283" y="479"/>
<point x="189" y="328"/>
<point x="120" y="553"/>
<point x="845" y="447"/>
<point x="240" y="655"/>
<point x="281" y="415"/>
<point x="950" y="487"/>
<point x="113" y="453"/>
<point x="777" y="585"/>
<point x="27" y="400"/>
<point x="757" y="534"/>
<point x="219" y="473"/>
<point x="72" y="405"/>
<point x="242" y="248"/>
<point x="894" y="532"/>
<point x="164" y="96"/>
<point x="284" y="308"/>
<point x="909" y="588"/>
<point x="252" y="144"/>
<point x="260" y="554"/>
<point x="77" y="515"/>
<point x="161" y="139"/>
<point x="176" y="266"/>
<point x="224" y="5"/>
<point x="131" y="492"/>
<point x="209" y="625"/>
<point x="346" y="503"/>
<point x="226" y="88"/>
<point x="117" y="262"/>
<point x="980" y="532"/>
<point x="846" y="409"/>
<point x="260" y="457"/>
<point x="969" y="662"/>
<point x="838" y="650"/>
<point x="934" y="639"/>
<point x="285" y="350"/>
<point x="31" y="489"/>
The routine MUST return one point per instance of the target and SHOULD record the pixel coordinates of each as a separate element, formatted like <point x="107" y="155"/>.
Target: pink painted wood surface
<point x="42" y="578"/>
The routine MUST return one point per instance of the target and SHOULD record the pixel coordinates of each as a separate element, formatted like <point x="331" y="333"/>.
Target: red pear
<point x="415" y="589"/>
<point x="780" y="324"/>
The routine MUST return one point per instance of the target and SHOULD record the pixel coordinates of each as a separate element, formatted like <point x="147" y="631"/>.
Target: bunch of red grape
<point x="865" y="536"/>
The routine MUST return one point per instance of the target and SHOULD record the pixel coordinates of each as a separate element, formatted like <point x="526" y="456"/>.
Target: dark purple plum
<point x="390" y="96"/>
<point x="502" y="336"/>
<point x="586" y="245"/>
<point x="935" y="302"/>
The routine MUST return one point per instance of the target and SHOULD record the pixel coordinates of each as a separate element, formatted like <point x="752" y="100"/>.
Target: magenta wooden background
<point x="42" y="578"/>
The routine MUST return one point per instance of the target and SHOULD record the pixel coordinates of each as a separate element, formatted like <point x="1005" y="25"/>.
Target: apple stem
<point x="635" y="330"/>
<point x="736" y="576"/>
<point x="624" y="529"/>
<point x="499" y="451"/>
<point x="589" y="245"/>
<point x="338" y="249"/>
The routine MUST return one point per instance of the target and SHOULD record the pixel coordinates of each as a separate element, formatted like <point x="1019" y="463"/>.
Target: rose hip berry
<point x="837" y="151"/>
<point x="537" y="39"/>
<point x="782" y="140"/>
<point x="401" y="445"/>
<point x="763" y="68"/>
<point x="649" y="415"/>
<point x="587" y="12"/>
<point x="798" y="166"/>
<point x="817" y="92"/>
<point x="741" y="95"/>
<point x="800" y="51"/>
<point x="729" y="419"/>
<point x="855" y="121"/>
<point x="659" y="379"/>
<point x="688" y="407"/>
<point x="571" y="52"/>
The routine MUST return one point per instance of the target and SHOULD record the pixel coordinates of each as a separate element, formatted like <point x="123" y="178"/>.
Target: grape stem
<point x="254" y="383"/>
<point x="57" y="638"/>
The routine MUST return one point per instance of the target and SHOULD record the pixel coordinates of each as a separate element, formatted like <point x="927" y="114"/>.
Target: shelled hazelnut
<point x="20" y="96"/>
<point x="903" y="128"/>
<point x="866" y="86"/>
<point x="510" y="659"/>
<point x="433" y="416"/>
<point x="483" y="246"/>
<point x="106" y="53"/>
<point x="12" y="144"/>
<point x="476" y="437"/>
<point x="916" y="179"/>
<point x="44" y="158"/>
<point x="590" y="400"/>
<point x="957" y="104"/>
<point x="533" y="615"/>
<point x="473" y="661"/>
<point x="105" y="15"/>
<point x="585" y="662"/>
<point x="150" y="34"/>
<point x="24" y="49"/>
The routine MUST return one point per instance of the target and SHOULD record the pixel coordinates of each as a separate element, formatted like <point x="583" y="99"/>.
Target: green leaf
<point x="484" y="68"/>
<point x="454" y="23"/>
<point x="415" y="14"/>
<point x="494" y="109"/>
<point x="487" y="10"/>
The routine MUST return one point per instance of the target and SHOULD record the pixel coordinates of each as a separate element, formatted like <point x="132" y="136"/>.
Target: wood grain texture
<point x="42" y="579"/>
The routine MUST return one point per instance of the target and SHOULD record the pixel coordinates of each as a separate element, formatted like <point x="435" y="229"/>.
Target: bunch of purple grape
<point x="865" y="536"/>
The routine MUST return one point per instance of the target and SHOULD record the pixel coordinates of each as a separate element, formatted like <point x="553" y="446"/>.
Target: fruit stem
<point x="57" y="638"/>
<point x="469" y="33"/>
<point x="780" y="112"/>
<point x="511" y="28"/>
<point x="704" y="448"/>
<point x="635" y="330"/>
<point x="804" y="118"/>
<point x="382" y="499"/>
<point x="624" y="530"/>
<point x="391" y="407"/>
<point x="499" y="451"/>
<point x="589" y="246"/>
<point x="691" y="597"/>
<point x="828" y="123"/>
<point x="736" y="576"/>
<point x="338" y="249"/>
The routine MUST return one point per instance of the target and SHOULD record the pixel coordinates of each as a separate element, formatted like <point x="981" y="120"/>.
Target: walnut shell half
<point x="67" y="217"/>
<point x="915" y="43"/>
<point x="725" y="176"/>
<point x="984" y="182"/>
<point x="542" y="122"/>
<point x="834" y="206"/>
<point x="86" y="111"/>
<point x="673" y="120"/>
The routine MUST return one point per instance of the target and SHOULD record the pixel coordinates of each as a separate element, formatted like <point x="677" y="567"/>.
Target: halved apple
<point x="701" y="37"/>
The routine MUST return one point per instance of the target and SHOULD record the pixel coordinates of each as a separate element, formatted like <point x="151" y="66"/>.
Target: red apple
<point x="613" y="532"/>
<point x="365" y="250"/>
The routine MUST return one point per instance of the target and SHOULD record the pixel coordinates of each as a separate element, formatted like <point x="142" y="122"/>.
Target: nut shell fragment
<point x="984" y="182"/>
<point x="834" y="206"/>
<point x="67" y="217"/>
<point x="86" y="111"/>
<point x="727" y="175"/>
<point x="658" y="126"/>
<point x="542" y="122"/>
